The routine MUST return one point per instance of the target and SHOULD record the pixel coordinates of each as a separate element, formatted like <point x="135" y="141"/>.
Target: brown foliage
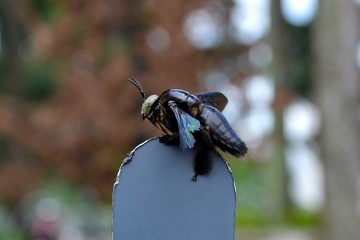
<point x="85" y="129"/>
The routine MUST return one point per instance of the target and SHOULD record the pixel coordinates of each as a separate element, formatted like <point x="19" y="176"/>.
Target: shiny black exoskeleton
<point x="192" y="120"/>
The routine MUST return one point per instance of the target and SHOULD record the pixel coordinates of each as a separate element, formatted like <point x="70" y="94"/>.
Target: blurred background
<point x="68" y="116"/>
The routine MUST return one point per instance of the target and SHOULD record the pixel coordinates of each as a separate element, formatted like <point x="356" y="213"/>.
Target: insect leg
<point x="203" y="162"/>
<point x="172" y="140"/>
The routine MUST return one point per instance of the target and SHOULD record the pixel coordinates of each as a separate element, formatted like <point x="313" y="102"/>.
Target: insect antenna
<point x="138" y="86"/>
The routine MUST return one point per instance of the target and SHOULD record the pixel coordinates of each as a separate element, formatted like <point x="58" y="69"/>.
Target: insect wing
<point x="215" y="99"/>
<point x="186" y="124"/>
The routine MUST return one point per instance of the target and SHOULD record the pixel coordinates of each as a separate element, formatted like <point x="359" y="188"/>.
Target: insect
<point x="192" y="120"/>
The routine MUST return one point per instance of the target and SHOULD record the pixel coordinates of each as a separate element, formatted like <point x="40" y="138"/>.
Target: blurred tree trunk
<point x="278" y="184"/>
<point x="336" y="76"/>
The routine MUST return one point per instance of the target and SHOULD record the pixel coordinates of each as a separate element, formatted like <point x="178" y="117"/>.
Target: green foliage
<point x="299" y="53"/>
<point x="303" y="218"/>
<point x="8" y="229"/>
<point x="40" y="82"/>
<point x="254" y="200"/>
<point x="249" y="217"/>
<point x="252" y="207"/>
<point x="48" y="10"/>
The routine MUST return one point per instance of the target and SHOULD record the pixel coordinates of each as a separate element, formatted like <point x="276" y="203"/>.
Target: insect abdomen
<point x="221" y="132"/>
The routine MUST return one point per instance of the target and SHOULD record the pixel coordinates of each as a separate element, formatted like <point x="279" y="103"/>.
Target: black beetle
<point x="192" y="119"/>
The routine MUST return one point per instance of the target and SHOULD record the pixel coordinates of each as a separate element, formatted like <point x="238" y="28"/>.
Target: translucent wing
<point x="215" y="99"/>
<point x="186" y="124"/>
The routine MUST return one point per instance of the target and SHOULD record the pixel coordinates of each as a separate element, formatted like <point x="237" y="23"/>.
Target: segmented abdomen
<point x="221" y="132"/>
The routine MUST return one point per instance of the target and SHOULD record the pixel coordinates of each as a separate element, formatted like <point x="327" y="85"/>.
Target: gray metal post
<point x="154" y="197"/>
